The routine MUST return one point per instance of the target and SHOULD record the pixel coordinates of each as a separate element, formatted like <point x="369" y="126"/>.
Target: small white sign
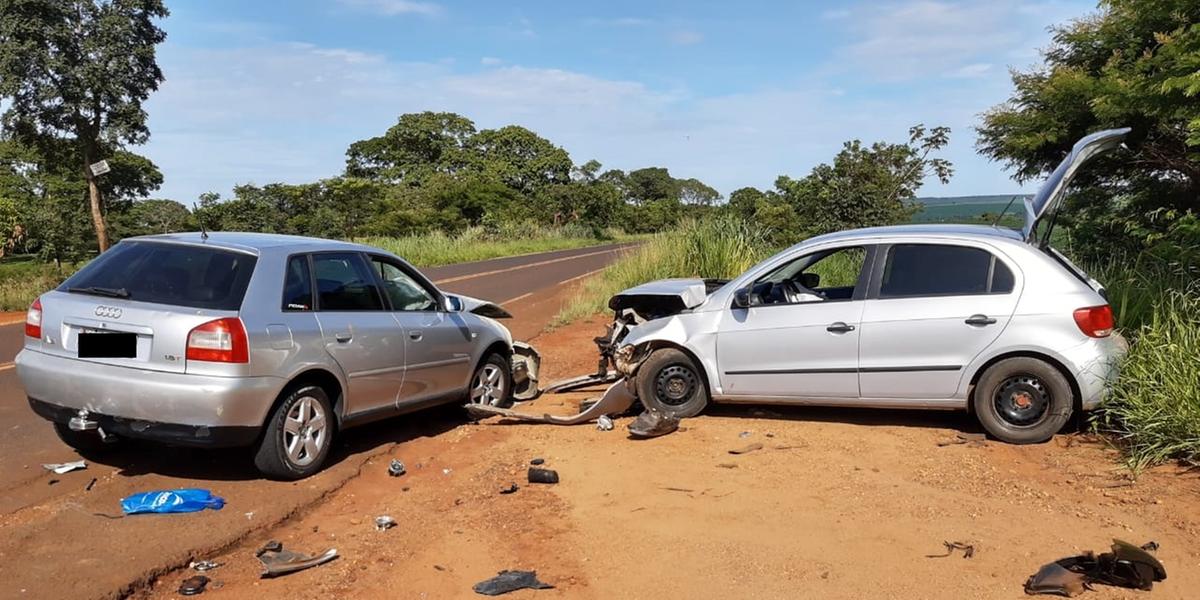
<point x="99" y="168"/>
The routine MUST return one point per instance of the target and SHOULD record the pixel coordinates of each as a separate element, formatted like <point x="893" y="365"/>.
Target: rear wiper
<point x="100" y="291"/>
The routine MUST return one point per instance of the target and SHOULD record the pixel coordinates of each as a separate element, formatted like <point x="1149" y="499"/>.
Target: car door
<point x="360" y="334"/>
<point x="798" y="345"/>
<point x="933" y="307"/>
<point x="438" y="343"/>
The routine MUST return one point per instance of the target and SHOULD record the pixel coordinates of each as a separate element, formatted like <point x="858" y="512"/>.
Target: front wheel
<point x="491" y="384"/>
<point x="298" y="435"/>
<point x="670" y="382"/>
<point x="1023" y="400"/>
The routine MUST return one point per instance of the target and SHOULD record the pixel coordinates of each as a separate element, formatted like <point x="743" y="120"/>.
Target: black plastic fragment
<point x="542" y="475"/>
<point x="510" y="581"/>
<point x="193" y="585"/>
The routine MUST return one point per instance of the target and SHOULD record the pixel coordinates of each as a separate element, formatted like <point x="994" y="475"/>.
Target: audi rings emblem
<point x="108" y="312"/>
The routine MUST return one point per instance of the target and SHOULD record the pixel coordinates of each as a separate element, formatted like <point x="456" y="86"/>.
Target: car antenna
<point x="203" y="229"/>
<point x="1006" y="207"/>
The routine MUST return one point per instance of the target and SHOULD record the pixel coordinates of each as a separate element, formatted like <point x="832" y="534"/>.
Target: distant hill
<point x="968" y="209"/>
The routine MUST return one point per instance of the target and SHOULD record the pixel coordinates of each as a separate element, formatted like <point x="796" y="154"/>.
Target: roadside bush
<point x="721" y="247"/>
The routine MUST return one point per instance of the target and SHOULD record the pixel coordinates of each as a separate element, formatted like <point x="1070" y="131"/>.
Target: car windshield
<point x="175" y="274"/>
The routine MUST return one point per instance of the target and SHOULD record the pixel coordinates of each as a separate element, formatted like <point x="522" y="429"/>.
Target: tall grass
<point x="1153" y="411"/>
<point x="478" y="243"/>
<point x="23" y="280"/>
<point x="712" y="248"/>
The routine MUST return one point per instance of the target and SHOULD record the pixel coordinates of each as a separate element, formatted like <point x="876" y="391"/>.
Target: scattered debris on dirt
<point x="747" y="448"/>
<point x="974" y="440"/>
<point x="511" y="489"/>
<point x="193" y="585"/>
<point x="604" y="423"/>
<point x="744" y="434"/>
<point x="967" y="549"/>
<point x="277" y="561"/>
<point x="1127" y="566"/>
<point x="652" y="423"/>
<point x="91" y="483"/>
<point x="537" y="461"/>
<point x="203" y="565"/>
<point x="62" y="468"/>
<point x="510" y="581"/>
<point x="384" y="523"/>
<point x="543" y="475"/>
<point x="171" y="501"/>
<point x="396" y="468"/>
<point x="727" y="465"/>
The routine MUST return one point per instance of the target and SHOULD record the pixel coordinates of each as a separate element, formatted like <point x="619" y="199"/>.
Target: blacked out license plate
<point x="107" y="345"/>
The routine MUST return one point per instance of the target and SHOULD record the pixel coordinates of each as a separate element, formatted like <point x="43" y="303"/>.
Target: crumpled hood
<point x="482" y="307"/>
<point x="663" y="297"/>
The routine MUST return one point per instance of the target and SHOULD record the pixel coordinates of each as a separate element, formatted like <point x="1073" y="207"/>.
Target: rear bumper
<point x="195" y="402"/>
<point x="1096" y="363"/>
<point x="168" y="433"/>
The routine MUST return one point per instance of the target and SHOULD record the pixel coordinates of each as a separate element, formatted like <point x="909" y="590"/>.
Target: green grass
<point x="477" y="243"/>
<point x="23" y="278"/>
<point x="712" y="248"/>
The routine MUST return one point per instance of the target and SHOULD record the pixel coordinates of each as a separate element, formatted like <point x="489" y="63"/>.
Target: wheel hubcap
<point x="488" y="386"/>
<point x="1022" y="400"/>
<point x="305" y="431"/>
<point x="675" y="385"/>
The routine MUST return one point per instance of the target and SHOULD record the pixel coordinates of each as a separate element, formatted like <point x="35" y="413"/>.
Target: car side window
<point x="297" y="285"/>
<point x="913" y="270"/>
<point x="402" y="289"/>
<point x="344" y="282"/>
<point x="822" y="276"/>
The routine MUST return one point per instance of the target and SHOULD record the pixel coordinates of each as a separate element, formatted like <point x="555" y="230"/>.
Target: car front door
<point x="360" y="334"/>
<point x="932" y="309"/>
<point x="438" y="343"/>
<point x="799" y="336"/>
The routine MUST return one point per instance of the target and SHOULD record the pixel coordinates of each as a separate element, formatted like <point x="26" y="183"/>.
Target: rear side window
<point x="174" y="274"/>
<point x="344" y="282"/>
<point x="932" y="270"/>
<point x="297" y="285"/>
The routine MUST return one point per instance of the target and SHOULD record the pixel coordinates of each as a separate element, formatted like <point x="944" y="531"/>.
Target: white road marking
<point x="519" y="267"/>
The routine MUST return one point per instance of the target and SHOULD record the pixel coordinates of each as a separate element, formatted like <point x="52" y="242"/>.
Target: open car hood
<point x="1050" y="196"/>
<point x="664" y="297"/>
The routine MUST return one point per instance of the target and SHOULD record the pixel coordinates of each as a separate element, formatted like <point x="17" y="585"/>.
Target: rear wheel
<point x="85" y="442"/>
<point x="491" y="384"/>
<point x="1023" y="400"/>
<point x="298" y="435"/>
<point x="670" y="382"/>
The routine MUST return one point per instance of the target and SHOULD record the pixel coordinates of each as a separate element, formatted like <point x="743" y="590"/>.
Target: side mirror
<point x="811" y="281"/>
<point x="454" y="304"/>
<point x="741" y="298"/>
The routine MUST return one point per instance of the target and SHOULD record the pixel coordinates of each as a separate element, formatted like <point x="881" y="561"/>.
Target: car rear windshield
<point x="164" y="273"/>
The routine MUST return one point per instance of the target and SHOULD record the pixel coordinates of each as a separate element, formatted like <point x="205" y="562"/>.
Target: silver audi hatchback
<point x="272" y="341"/>
<point x="985" y="319"/>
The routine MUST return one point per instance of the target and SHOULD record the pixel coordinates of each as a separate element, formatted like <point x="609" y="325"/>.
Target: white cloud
<point x="490" y="61"/>
<point x="685" y="37"/>
<point x="972" y="71"/>
<point x="394" y="7"/>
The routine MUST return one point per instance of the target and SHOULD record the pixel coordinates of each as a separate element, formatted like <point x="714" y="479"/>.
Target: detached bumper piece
<point x="276" y="561"/>
<point x="1127" y="566"/>
<point x="616" y="400"/>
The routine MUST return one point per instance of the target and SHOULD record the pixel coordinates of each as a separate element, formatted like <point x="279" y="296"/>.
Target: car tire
<point x="87" y="443"/>
<point x="298" y="436"/>
<point x="491" y="383"/>
<point x="1023" y="400"/>
<point x="670" y="382"/>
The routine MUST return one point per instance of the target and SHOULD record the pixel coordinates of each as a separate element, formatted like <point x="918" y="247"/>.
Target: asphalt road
<point x="53" y="537"/>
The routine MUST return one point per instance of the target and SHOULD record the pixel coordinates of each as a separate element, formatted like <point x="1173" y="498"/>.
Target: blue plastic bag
<point x="171" y="501"/>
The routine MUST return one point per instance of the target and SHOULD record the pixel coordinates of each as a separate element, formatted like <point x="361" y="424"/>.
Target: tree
<point x="78" y="71"/>
<point x="696" y="192"/>
<point x="744" y="201"/>
<point x="146" y="217"/>
<point x="867" y="185"/>
<point x="1134" y="64"/>
<point x="519" y="158"/>
<point x="417" y="147"/>
<point x="650" y="184"/>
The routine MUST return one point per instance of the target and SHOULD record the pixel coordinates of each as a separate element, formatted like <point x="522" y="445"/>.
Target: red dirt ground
<point x="837" y="504"/>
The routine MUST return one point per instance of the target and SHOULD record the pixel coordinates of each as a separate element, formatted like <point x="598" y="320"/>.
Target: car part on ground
<point x="384" y="523"/>
<point x="510" y="581"/>
<point x="526" y="365"/>
<point x="61" y="468"/>
<point x="193" y="585"/>
<point x="540" y="475"/>
<point x="1126" y="566"/>
<point x="276" y="561"/>
<point x="616" y="400"/>
<point x="653" y="423"/>
<point x="968" y="550"/>
<point x="396" y="468"/>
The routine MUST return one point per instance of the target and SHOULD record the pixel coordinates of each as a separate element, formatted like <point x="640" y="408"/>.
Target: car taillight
<point x="223" y="340"/>
<point x="33" y="320"/>
<point x="1095" y="321"/>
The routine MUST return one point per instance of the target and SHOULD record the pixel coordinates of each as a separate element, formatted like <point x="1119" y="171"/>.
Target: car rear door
<point x="932" y="308"/>
<point x="806" y="349"/>
<point x="358" y="331"/>
<point x="438" y="344"/>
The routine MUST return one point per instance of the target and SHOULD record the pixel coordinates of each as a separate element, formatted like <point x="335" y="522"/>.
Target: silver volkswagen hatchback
<point x="240" y="339"/>
<point x="976" y="318"/>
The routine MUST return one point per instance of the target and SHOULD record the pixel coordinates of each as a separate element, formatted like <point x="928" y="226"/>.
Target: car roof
<point x="986" y="232"/>
<point x="253" y="242"/>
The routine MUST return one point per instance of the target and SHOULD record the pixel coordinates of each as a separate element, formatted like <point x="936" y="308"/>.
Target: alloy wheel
<point x="488" y="386"/>
<point x="305" y="431"/>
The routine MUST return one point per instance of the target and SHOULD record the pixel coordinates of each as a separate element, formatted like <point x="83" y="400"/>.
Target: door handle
<point x="839" y="327"/>
<point x="415" y="336"/>
<point x="979" y="320"/>
<point x="342" y="338"/>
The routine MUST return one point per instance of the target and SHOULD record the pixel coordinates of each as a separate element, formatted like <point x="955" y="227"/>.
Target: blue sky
<point x="733" y="93"/>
